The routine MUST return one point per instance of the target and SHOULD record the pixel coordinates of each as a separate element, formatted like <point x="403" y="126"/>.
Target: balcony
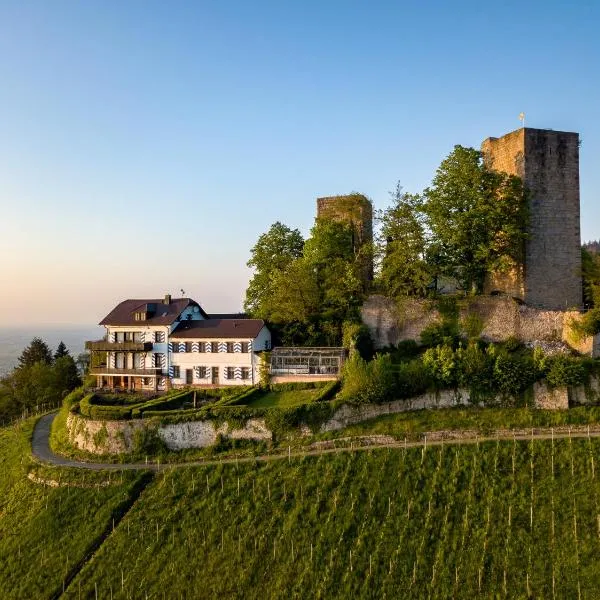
<point x="153" y="372"/>
<point x="104" y="346"/>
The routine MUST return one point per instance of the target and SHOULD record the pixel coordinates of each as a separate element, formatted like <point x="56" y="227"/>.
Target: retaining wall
<point x="115" y="437"/>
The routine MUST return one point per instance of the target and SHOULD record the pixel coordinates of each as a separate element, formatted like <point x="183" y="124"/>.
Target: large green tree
<point x="37" y="351"/>
<point x="476" y="218"/>
<point x="270" y="257"/>
<point x="402" y="246"/>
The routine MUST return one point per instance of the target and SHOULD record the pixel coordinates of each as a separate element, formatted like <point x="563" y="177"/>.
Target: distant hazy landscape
<point x="14" y="339"/>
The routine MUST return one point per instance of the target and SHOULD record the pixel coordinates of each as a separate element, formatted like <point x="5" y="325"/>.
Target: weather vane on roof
<point x="522" y="119"/>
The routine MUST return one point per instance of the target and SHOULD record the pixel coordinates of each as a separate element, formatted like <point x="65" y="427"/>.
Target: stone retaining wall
<point x="116" y="437"/>
<point x="501" y="318"/>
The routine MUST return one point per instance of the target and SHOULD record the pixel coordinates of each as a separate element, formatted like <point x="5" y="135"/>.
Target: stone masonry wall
<point x="501" y="317"/>
<point x="548" y="163"/>
<point x="117" y="436"/>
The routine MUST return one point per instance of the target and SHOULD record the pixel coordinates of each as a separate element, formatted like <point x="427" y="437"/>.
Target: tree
<point x="590" y="271"/>
<point x="61" y="350"/>
<point x="37" y="351"/>
<point x="402" y="246"/>
<point x="330" y="253"/>
<point x="66" y="375"/>
<point x="270" y="256"/>
<point x="476" y="218"/>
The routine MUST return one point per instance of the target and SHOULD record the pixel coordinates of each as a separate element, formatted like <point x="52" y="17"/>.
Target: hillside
<point x="507" y="518"/>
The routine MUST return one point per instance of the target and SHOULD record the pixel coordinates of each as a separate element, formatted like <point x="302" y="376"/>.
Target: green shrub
<point x="513" y="373"/>
<point x="588" y="325"/>
<point x="565" y="371"/>
<point x="412" y="379"/>
<point x="474" y="369"/>
<point x="439" y="334"/>
<point x="441" y="365"/>
<point x="371" y="381"/>
<point x="512" y="344"/>
<point x="472" y="325"/>
<point x="356" y="336"/>
<point x="405" y="350"/>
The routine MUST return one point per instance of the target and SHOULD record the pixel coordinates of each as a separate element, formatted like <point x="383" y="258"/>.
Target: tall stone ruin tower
<point x="548" y="163"/>
<point x="357" y="210"/>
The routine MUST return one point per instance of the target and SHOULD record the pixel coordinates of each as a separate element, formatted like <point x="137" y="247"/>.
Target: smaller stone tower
<point x="548" y="163"/>
<point x="357" y="210"/>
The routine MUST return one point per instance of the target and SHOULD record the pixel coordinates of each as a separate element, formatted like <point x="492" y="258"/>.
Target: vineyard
<point x="501" y="519"/>
<point x="46" y="531"/>
<point x="508" y="519"/>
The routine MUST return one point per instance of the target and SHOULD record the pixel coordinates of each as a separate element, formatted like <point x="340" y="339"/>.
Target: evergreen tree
<point x="37" y="352"/>
<point x="61" y="351"/>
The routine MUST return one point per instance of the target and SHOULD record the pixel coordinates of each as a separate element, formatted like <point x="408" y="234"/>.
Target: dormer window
<point x="140" y="316"/>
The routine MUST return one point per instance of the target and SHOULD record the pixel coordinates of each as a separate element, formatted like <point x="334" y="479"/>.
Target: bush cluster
<point x="485" y="370"/>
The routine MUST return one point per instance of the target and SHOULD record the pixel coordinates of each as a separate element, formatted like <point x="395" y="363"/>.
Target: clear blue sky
<point x="145" y="145"/>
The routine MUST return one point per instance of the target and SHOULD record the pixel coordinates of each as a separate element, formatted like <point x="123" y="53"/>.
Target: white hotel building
<point x="154" y="345"/>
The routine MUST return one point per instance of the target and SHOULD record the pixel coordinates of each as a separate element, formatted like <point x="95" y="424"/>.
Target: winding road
<point x="41" y="446"/>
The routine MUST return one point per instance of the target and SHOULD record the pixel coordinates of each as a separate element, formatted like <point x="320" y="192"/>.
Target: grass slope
<point x="508" y="519"/>
<point x="46" y="531"/>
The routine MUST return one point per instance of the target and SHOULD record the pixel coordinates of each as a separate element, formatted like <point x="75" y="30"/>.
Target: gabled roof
<point x="218" y="329"/>
<point x="165" y="314"/>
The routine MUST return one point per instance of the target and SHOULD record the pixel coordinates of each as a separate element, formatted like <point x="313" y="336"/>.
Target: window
<point x="159" y="337"/>
<point x="175" y="347"/>
<point x="245" y="373"/>
<point x="201" y="347"/>
<point x="230" y="347"/>
<point x="201" y="372"/>
<point x="146" y="381"/>
<point x="158" y="360"/>
<point x="230" y="373"/>
<point x="245" y="347"/>
<point x="188" y="346"/>
<point x="137" y="336"/>
<point x="176" y="372"/>
<point x="214" y="346"/>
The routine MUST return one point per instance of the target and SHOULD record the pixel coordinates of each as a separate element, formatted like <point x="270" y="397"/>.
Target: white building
<point x="156" y="344"/>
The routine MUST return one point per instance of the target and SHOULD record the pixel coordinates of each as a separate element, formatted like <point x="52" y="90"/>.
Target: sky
<point x="145" y="145"/>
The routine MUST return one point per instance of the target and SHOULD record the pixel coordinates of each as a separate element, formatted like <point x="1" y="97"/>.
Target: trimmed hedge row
<point x="327" y="392"/>
<point x="88" y="408"/>
<point x="300" y="385"/>
<point x="162" y="403"/>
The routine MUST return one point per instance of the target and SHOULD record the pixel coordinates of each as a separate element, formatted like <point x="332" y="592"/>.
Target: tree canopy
<point x="469" y="222"/>
<point x="37" y="351"/>
<point x="38" y="379"/>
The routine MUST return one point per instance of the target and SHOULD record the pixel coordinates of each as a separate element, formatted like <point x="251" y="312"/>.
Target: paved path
<point x="41" y="448"/>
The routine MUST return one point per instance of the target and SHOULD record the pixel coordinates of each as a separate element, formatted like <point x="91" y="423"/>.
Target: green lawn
<point x="284" y="399"/>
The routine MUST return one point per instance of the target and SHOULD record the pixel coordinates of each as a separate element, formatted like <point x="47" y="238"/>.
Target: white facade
<point x="145" y="356"/>
<point x="217" y="361"/>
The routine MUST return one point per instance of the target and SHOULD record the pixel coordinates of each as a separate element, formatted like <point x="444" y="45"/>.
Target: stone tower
<point x="548" y="163"/>
<point x="357" y="210"/>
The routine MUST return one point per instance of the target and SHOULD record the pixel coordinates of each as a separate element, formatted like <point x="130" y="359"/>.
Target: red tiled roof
<point x="165" y="314"/>
<point x="218" y="329"/>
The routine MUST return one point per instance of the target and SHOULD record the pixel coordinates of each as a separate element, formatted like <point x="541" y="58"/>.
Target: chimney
<point x="167" y="299"/>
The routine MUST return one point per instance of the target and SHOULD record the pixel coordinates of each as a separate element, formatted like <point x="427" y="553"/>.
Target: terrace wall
<point x="116" y="437"/>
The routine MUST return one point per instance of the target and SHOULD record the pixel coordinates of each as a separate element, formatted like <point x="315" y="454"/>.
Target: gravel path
<point x="41" y="448"/>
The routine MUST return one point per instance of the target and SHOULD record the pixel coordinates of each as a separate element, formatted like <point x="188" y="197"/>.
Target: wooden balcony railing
<point x="103" y="345"/>
<point x="153" y="372"/>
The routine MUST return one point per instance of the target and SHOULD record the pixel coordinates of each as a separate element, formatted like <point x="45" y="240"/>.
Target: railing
<point x="153" y="372"/>
<point x="103" y="345"/>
